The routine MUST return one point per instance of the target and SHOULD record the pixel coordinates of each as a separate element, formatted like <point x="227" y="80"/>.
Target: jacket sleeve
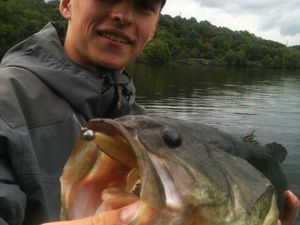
<point x="12" y="199"/>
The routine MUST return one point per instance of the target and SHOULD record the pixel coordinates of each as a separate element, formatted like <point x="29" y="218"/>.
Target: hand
<point x="292" y="205"/>
<point x="121" y="216"/>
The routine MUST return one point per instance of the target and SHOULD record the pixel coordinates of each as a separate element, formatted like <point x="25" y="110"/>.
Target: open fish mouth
<point x="114" y="170"/>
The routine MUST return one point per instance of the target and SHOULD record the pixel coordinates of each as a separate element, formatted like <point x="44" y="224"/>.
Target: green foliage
<point x="157" y="53"/>
<point x="297" y="47"/>
<point x="176" y="38"/>
<point x="19" y="19"/>
<point x="187" y="38"/>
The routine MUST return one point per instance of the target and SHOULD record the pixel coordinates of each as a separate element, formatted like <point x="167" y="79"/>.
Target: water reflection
<point x="237" y="101"/>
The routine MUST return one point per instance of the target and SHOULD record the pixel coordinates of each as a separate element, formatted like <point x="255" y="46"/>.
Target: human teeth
<point x="115" y="37"/>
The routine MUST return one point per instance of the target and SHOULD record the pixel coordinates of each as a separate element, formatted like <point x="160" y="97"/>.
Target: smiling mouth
<point x="115" y="37"/>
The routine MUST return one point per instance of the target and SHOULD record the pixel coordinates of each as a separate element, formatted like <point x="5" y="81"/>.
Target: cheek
<point x="147" y="33"/>
<point x="147" y="24"/>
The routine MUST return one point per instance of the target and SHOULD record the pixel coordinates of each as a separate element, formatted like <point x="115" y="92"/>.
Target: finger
<point x="291" y="208"/>
<point x="122" y="216"/>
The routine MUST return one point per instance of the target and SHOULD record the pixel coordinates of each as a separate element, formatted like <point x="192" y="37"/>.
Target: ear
<point x="65" y="8"/>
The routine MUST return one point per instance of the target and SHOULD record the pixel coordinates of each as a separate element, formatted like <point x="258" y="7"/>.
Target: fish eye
<point x="172" y="138"/>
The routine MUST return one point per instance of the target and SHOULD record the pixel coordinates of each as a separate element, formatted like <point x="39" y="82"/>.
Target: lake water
<point x="236" y="101"/>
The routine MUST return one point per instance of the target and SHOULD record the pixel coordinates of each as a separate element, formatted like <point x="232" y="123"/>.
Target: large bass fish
<point x="179" y="172"/>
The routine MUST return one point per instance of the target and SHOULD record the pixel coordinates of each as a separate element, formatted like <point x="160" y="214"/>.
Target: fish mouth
<point x="122" y="175"/>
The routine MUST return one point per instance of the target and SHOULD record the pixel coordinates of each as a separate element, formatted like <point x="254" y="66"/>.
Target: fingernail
<point x="129" y="212"/>
<point x="291" y="196"/>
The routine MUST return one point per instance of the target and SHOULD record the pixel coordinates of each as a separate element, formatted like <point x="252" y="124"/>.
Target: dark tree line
<point x="177" y="38"/>
<point x="297" y="47"/>
<point x="21" y="18"/>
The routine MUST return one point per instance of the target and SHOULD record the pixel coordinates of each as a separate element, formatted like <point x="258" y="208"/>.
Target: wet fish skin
<point x="214" y="174"/>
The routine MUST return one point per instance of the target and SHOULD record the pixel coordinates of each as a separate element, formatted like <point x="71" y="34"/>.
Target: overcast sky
<point x="277" y="20"/>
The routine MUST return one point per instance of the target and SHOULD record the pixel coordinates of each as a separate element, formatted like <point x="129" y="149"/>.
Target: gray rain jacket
<point x="45" y="98"/>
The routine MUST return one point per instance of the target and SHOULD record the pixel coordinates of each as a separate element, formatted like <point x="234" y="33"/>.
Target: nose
<point x="123" y="13"/>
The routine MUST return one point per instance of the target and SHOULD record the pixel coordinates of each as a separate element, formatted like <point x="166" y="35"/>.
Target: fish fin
<point x="277" y="151"/>
<point x="250" y="138"/>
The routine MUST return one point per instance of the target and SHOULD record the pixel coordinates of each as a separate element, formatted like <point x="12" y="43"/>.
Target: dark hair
<point x="163" y="3"/>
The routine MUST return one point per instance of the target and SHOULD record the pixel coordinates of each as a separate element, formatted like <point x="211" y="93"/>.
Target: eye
<point x="172" y="138"/>
<point x="147" y="5"/>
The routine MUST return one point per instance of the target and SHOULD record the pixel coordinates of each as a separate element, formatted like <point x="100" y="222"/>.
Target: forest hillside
<point x="178" y="40"/>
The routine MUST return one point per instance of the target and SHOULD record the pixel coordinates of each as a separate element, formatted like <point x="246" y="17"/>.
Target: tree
<point x="230" y="58"/>
<point x="157" y="52"/>
<point x="28" y="16"/>
<point x="241" y="58"/>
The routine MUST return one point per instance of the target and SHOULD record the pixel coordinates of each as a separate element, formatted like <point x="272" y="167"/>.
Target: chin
<point x="113" y="64"/>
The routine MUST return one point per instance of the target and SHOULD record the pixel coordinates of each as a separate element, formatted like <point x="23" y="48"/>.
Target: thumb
<point x="122" y="216"/>
<point x="291" y="208"/>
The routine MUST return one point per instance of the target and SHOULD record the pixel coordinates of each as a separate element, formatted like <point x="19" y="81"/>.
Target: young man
<point x="54" y="82"/>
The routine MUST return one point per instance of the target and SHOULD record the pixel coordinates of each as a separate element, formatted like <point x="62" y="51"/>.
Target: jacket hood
<point x="93" y="91"/>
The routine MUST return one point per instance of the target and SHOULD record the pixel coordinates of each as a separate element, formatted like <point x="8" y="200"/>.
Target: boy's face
<point x="108" y="33"/>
